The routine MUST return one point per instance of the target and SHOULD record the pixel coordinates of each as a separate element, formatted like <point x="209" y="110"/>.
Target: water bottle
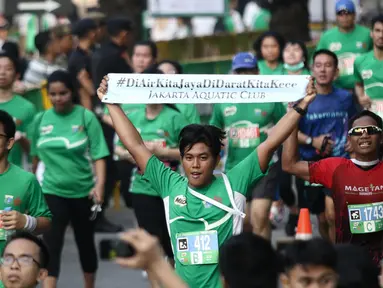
<point x="8" y="233"/>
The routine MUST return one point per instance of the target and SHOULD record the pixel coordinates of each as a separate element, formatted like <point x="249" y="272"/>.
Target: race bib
<point x="366" y="218"/>
<point x="377" y="108"/>
<point x="245" y="137"/>
<point x="197" y="248"/>
<point x="346" y="65"/>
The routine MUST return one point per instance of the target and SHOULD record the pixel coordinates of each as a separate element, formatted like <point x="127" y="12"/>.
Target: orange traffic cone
<point x="304" y="230"/>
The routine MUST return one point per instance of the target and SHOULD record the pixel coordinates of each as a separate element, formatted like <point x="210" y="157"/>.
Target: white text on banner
<point x="203" y="89"/>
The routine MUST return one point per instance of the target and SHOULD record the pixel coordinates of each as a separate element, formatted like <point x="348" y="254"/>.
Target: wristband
<point x="299" y="110"/>
<point x="31" y="223"/>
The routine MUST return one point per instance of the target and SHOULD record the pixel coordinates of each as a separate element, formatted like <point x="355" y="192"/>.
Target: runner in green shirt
<point x="369" y="71"/>
<point x="189" y="111"/>
<point x="246" y="126"/>
<point x="22" y="203"/>
<point x="21" y="110"/>
<point x="348" y="40"/>
<point x="203" y="210"/>
<point x="268" y="49"/>
<point x="67" y="139"/>
<point x="159" y="126"/>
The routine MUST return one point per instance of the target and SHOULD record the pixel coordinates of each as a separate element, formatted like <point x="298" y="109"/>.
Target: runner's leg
<point x="54" y="237"/>
<point x="330" y="217"/>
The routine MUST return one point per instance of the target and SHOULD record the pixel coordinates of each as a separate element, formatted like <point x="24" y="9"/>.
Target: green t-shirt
<point x="266" y="70"/>
<point x="369" y="71"/>
<point x="127" y="108"/>
<point x="66" y="145"/>
<point x="164" y="130"/>
<point x="187" y="213"/>
<point x="190" y="112"/>
<point x="22" y="192"/>
<point x="347" y="46"/>
<point x="22" y="112"/>
<point x="261" y="20"/>
<point x="245" y="125"/>
<point x="304" y="71"/>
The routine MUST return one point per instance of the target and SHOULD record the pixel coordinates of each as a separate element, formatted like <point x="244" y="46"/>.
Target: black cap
<point x="118" y="24"/>
<point x="11" y="48"/>
<point x="84" y="26"/>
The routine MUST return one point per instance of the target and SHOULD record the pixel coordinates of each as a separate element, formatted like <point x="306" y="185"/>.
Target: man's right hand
<point x="365" y="102"/>
<point x="318" y="142"/>
<point x="103" y="89"/>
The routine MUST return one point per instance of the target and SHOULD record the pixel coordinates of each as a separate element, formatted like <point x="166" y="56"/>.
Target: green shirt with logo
<point x="245" y="125"/>
<point x="264" y="69"/>
<point x="164" y="131"/>
<point x="186" y="213"/>
<point x="21" y="192"/>
<point x="67" y="144"/>
<point x="347" y="46"/>
<point x="22" y="112"/>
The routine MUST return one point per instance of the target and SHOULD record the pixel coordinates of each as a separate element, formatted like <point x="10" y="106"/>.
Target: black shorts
<point x="266" y="188"/>
<point x="312" y="197"/>
<point x="150" y="214"/>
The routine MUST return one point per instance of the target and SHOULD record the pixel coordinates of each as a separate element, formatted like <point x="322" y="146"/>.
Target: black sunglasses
<point x="360" y="130"/>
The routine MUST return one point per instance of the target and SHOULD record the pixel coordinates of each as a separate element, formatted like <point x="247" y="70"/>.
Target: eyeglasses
<point x="360" y="130"/>
<point x="23" y="261"/>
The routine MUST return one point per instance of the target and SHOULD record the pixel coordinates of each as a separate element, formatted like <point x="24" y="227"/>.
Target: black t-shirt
<point x="79" y="60"/>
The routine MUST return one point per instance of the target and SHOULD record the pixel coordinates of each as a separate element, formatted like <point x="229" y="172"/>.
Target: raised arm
<point x="290" y="158"/>
<point x="284" y="128"/>
<point x="127" y="133"/>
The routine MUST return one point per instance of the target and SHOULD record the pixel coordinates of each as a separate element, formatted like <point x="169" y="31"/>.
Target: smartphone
<point x="112" y="248"/>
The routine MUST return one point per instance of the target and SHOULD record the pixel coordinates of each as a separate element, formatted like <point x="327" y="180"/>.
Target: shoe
<point x="291" y="225"/>
<point x="104" y="226"/>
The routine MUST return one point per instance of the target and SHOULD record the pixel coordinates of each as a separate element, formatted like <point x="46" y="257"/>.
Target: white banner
<point x="203" y="89"/>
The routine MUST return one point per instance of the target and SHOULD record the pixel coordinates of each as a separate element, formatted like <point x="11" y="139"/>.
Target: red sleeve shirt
<point x="322" y="172"/>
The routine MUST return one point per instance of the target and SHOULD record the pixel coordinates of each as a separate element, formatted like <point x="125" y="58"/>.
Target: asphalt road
<point x="111" y="275"/>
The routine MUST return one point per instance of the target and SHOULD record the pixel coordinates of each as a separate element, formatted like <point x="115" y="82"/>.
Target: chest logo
<point x="230" y="111"/>
<point x="46" y="130"/>
<point x="336" y="46"/>
<point x="361" y="45"/>
<point x="77" y="128"/>
<point x="367" y="74"/>
<point x="162" y="133"/>
<point x="8" y="199"/>
<point x="17" y="201"/>
<point x="17" y="121"/>
<point x="180" y="200"/>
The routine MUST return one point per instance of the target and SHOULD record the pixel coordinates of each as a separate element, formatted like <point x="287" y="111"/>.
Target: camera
<point x="112" y="248"/>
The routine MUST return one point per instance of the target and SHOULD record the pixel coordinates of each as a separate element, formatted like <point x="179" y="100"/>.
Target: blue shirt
<point x="328" y="114"/>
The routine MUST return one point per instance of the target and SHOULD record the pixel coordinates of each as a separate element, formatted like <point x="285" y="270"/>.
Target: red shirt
<point x="351" y="185"/>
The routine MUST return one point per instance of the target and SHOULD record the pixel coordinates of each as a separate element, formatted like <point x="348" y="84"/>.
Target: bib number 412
<point x="202" y="243"/>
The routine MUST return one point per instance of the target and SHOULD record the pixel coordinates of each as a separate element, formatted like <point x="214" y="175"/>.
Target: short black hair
<point x="328" y="53"/>
<point x="356" y="274"/>
<point x="210" y="135"/>
<point x="303" y="47"/>
<point x="316" y="252"/>
<point x="42" y="41"/>
<point x="8" y="124"/>
<point x="258" y="44"/>
<point x="376" y="19"/>
<point x="175" y="64"/>
<point x="83" y="27"/>
<point x="44" y="253"/>
<point x="11" y="56"/>
<point x="150" y="44"/>
<point x="118" y="24"/>
<point x="247" y="260"/>
<point x="368" y="113"/>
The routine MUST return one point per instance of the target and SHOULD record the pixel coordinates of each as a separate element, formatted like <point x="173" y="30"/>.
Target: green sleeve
<point x="279" y="112"/>
<point x="34" y="133"/>
<point x="37" y="207"/>
<point x="357" y="75"/>
<point x="322" y="43"/>
<point x="98" y="148"/>
<point x="27" y="126"/>
<point x="162" y="178"/>
<point x="243" y="175"/>
<point x="216" y="117"/>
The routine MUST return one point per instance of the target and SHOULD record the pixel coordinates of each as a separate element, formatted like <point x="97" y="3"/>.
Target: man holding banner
<point x="203" y="210"/>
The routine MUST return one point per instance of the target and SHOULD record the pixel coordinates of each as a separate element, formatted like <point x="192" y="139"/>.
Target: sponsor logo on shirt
<point x="17" y="121"/>
<point x="218" y="199"/>
<point x="162" y="133"/>
<point x="335" y="46"/>
<point x="77" y="128"/>
<point x="180" y="200"/>
<point x="17" y="201"/>
<point x="367" y="74"/>
<point x="8" y="199"/>
<point x="361" y="45"/>
<point x="46" y="130"/>
<point x="258" y="111"/>
<point x="364" y="190"/>
<point x="230" y="111"/>
<point x="207" y="204"/>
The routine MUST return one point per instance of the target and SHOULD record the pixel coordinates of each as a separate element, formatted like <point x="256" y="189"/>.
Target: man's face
<point x="142" y="58"/>
<point x="324" y="69"/>
<point x="365" y="144"/>
<point x="310" y="277"/>
<point x="25" y="271"/>
<point x="5" y="143"/>
<point x="345" y="19"/>
<point x="199" y="164"/>
<point x="7" y="73"/>
<point x="377" y="35"/>
<point x="66" y="44"/>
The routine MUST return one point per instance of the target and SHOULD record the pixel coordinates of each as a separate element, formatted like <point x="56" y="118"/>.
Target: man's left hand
<point x="13" y="220"/>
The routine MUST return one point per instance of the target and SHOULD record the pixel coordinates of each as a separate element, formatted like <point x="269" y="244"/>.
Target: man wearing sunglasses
<point x="24" y="261"/>
<point x="356" y="184"/>
<point x="348" y="40"/>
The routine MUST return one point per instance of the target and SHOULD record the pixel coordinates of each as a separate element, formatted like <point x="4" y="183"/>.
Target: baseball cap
<point x="345" y="5"/>
<point x="244" y="60"/>
<point x="62" y="30"/>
